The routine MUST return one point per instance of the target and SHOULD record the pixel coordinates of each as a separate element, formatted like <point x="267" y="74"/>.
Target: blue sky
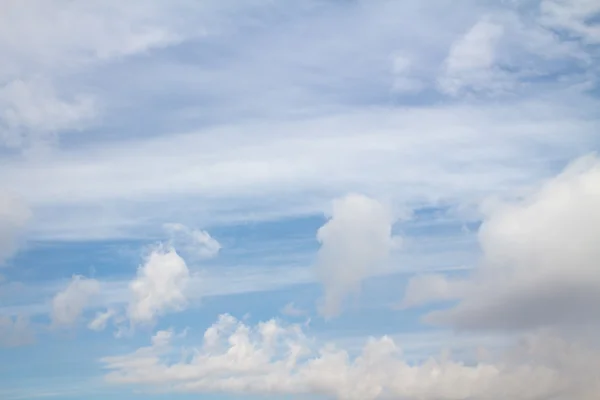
<point x="320" y="199"/>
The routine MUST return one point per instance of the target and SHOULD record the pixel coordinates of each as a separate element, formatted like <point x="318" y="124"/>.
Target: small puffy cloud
<point x="101" y="320"/>
<point x="355" y="242"/>
<point x="540" y="260"/>
<point x="69" y="304"/>
<point x="194" y="242"/>
<point x="291" y="310"/>
<point x="273" y="358"/>
<point x="14" y="214"/>
<point x="471" y="59"/>
<point x="159" y="286"/>
<point x="15" y="331"/>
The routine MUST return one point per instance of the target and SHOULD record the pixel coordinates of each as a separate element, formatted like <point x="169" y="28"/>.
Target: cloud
<point x="159" y="286"/>
<point x="471" y="59"/>
<point x="291" y="310"/>
<point x="101" y="319"/>
<point x="44" y="41"/>
<point x="539" y="266"/>
<point x="194" y="242"/>
<point x="405" y="81"/>
<point x="574" y="16"/>
<point x="33" y="114"/>
<point x="15" y="331"/>
<point x="274" y="358"/>
<point x="14" y="214"/>
<point x="355" y="243"/>
<point x="69" y="304"/>
<point x="427" y="288"/>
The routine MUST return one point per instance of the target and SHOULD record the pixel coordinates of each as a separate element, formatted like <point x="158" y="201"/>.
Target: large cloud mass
<point x="540" y="260"/>
<point x="273" y="358"/>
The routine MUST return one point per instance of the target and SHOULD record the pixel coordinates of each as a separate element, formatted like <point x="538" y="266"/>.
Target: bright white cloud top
<point x="318" y="199"/>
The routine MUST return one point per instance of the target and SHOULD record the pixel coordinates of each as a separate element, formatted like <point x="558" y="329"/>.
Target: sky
<point x="320" y="199"/>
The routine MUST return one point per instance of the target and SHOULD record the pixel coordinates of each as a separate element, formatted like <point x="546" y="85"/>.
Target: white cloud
<point x="44" y="41"/>
<point x="159" y="286"/>
<point x="428" y="288"/>
<point x="273" y="358"/>
<point x="14" y="214"/>
<point x="69" y="304"/>
<point x="355" y="243"/>
<point x="540" y="259"/>
<point x="101" y="319"/>
<point x="15" y="331"/>
<point x="471" y="59"/>
<point x="291" y="310"/>
<point x="405" y="80"/>
<point x="574" y="16"/>
<point x="194" y="242"/>
<point x="32" y="113"/>
<point x="242" y="180"/>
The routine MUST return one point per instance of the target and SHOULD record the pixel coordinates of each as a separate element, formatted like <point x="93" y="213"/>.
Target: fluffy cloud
<point x="13" y="217"/>
<point x="193" y="242"/>
<point x="471" y="58"/>
<point x="355" y="242"/>
<point x="540" y="260"/>
<point x="159" y="287"/>
<point x="274" y="358"/>
<point x="15" y="331"/>
<point x="69" y="304"/>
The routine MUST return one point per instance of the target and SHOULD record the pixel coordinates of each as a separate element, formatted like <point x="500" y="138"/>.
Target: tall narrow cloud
<point x="69" y="304"/>
<point x="159" y="287"/>
<point x="355" y="243"/>
<point x="14" y="214"/>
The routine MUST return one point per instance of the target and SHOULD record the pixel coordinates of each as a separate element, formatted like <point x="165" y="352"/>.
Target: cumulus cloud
<point x="471" y="59"/>
<point x="69" y="304"/>
<point x="194" y="242"/>
<point x="15" y="331"/>
<point x="275" y="358"/>
<point x="540" y="259"/>
<point x="14" y="214"/>
<point x="355" y="242"/>
<point x="159" y="286"/>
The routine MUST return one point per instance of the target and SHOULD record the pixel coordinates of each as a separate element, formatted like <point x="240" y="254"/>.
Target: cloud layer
<point x="271" y="358"/>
